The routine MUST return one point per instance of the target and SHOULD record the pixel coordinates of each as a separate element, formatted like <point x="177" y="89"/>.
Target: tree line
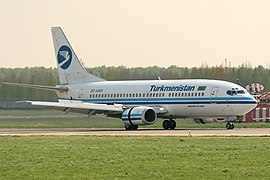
<point x="242" y="75"/>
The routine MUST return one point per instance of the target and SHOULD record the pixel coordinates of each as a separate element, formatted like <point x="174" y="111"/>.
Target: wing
<point x="80" y="107"/>
<point x="114" y="110"/>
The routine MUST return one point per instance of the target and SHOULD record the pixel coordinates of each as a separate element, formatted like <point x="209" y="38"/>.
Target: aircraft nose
<point x="254" y="102"/>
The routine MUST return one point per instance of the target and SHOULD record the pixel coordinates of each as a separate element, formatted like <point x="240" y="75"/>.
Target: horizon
<point x="245" y="65"/>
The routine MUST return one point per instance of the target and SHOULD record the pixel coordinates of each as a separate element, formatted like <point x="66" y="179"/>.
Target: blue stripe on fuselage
<point x="145" y="101"/>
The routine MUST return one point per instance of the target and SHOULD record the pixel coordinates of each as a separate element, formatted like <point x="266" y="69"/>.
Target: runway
<point x="139" y="132"/>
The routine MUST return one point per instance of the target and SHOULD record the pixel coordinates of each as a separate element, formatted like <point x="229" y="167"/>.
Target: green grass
<point x="57" y="119"/>
<point x="105" y="157"/>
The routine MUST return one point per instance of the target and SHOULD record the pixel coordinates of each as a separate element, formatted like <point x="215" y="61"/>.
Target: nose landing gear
<point x="230" y="125"/>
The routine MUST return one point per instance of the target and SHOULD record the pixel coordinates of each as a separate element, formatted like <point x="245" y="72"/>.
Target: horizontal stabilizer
<point x="49" y="88"/>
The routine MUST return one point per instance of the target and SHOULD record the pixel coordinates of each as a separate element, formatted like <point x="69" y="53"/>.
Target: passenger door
<point x="213" y="94"/>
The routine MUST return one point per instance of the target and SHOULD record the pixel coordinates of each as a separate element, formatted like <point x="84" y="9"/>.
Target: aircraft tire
<point x="172" y="124"/>
<point x="230" y="125"/>
<point x="135" y="127"/>
<point x="166" y="124"/>
<point x="127" y="127"/>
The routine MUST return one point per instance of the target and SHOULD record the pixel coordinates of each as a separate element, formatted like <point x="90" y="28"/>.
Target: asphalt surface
<point x="139" y="132"/>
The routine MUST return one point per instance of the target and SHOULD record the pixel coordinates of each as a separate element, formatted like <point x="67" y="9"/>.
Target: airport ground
<point x="48" y="118"/>
<point x="134" y="157"/>
<point x="126" y="157"/>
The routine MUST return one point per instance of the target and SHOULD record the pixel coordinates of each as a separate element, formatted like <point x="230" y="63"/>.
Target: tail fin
<point x="70" y="69"/>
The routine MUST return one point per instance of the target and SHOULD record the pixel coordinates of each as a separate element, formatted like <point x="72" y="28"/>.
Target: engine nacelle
<point x="208" y="120"/>
<point x="139" y="116"/>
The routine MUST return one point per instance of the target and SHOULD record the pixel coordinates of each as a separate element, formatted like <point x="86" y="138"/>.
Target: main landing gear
<point x="132" y="127"/>
<point x="229" y="125"/>
<point x="169" y="124"/>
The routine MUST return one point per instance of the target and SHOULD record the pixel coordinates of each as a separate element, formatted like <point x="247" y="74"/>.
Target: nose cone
<point x="252" y="103"/>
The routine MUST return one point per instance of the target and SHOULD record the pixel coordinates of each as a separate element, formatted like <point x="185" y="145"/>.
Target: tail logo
<point x="64" y="57"/>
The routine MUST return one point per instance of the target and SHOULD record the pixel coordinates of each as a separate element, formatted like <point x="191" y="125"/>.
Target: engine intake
<point x="139" y="116"/>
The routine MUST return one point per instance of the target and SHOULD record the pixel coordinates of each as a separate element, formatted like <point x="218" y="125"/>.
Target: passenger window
<point x="195" y="94"/>
<point x="202" y="94"/>
<point x="163" y="94"/>
<point x="150" y="95"/>
<point x="90" y="95"/>
<point x="169" y="94"/>
<point x="143" y="95"/>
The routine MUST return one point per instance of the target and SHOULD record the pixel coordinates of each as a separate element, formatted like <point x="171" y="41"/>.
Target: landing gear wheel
<point x="229" y="125"/>
<point x="127" y="127"/>
<point x="133" y="127"/>
<point x="166" y="124"/>
<point x="169" y="124"/>
<point x="172" y="124"/>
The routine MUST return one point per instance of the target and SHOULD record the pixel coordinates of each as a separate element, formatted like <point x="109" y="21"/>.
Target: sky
<point x="132" y="33"/>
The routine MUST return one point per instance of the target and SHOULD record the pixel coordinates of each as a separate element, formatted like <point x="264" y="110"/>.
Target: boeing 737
<point x="142" y="102"/>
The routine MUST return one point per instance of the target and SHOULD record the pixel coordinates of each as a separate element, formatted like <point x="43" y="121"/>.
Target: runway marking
<point x="140" y="132"/>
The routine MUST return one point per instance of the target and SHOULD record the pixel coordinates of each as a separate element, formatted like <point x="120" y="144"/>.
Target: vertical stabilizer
<point x="70" y="69"/>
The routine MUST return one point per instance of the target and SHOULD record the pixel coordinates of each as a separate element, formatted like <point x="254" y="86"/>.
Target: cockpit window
<point x="235" y="92"/>
<point x="231" y="92"/>
<point x="241" y="92"/>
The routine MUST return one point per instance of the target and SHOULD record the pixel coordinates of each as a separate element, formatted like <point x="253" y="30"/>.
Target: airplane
<point x="141" y="102"/>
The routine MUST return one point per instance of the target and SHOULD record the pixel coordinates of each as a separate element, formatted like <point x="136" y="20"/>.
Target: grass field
<point x="57" y="119"/>
<point x="93" y="157"/>
<point x="106" y="157"/>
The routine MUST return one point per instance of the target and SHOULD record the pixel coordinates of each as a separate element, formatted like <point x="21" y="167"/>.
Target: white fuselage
<point x="181" y="98"/>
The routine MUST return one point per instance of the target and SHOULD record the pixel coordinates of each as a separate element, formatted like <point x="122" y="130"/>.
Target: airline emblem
<point x="64" y="57"/>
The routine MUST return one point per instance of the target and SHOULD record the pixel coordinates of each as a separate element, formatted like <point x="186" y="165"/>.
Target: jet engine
<point x="139" y="116"/>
